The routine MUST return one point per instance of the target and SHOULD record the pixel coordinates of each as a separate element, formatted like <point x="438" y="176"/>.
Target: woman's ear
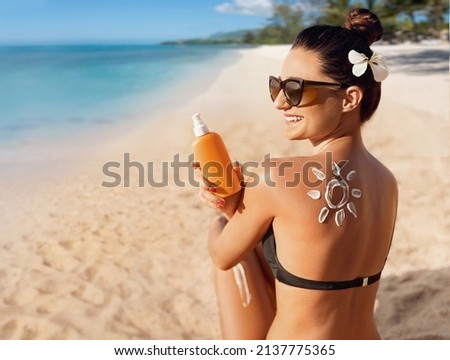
<point x="352" y="98"/>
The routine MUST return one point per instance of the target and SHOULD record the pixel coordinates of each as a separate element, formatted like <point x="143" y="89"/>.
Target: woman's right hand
<point x="208" y="196"/>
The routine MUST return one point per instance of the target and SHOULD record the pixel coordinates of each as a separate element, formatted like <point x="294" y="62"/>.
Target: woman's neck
<point x="348" y="139"/>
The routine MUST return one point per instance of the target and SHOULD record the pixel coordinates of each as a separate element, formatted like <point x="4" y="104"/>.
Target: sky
<point x="125" y="21"/>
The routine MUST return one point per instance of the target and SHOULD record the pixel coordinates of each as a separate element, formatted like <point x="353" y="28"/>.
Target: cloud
<point x="246" y="7"/>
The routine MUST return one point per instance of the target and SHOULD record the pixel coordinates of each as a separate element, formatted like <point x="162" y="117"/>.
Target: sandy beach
<point x="82" y="259"/>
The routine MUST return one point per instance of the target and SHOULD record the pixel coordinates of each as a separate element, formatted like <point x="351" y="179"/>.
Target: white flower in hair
<point x="376" y="62"/>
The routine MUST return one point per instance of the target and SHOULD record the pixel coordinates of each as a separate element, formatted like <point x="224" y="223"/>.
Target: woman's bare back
<point x="331" y="232"/>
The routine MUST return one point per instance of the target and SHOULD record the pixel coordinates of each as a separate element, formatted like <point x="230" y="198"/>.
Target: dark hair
<point x="333" y="43"/>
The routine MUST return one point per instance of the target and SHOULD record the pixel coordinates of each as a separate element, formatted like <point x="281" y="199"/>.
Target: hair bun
<point x="366" y="23"/>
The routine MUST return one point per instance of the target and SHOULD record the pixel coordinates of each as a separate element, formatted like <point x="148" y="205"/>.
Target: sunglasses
<point x="293" y="88"/>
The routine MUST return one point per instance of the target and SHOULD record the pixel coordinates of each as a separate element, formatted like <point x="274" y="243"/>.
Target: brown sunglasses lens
<point x="292" y="90"/>
<point x="274" y="88"/>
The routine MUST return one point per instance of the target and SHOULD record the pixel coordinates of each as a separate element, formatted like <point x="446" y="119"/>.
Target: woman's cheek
<point x="310" y="97"/>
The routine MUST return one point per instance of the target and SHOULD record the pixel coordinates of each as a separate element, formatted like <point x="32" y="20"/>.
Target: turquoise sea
<point x="56" y="90"/>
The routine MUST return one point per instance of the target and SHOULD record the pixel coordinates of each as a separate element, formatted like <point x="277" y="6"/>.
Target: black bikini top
<point x="284" y="276"/>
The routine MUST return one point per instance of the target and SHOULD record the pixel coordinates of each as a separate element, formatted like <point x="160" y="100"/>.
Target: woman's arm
<point x="231" y="238"/>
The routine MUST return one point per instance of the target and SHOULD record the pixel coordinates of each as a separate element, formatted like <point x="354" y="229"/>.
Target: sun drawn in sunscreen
<point x="344" y="202"/>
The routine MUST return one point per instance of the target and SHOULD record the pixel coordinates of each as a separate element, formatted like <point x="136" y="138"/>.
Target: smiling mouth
<point x="291" y="119"/>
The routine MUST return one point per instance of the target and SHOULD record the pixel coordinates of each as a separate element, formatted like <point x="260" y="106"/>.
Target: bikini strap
<point x="284" y="276"/>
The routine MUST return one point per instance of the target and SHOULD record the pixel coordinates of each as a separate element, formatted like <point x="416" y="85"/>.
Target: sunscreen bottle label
<point x="210" y="151"/>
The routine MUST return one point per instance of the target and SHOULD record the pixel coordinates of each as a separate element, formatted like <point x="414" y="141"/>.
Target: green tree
<point x="437" y="9"/>
<point x="373" y="5"/>
<point x="406" y="7"/>
<point x="249" y="38"/>
<point x="434" y="11"/>
<point x="285" y="23"/>
<point x="335" y="12"/>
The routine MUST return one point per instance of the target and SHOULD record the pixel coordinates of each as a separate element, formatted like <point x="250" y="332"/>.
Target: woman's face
<point x="318" y="115"/>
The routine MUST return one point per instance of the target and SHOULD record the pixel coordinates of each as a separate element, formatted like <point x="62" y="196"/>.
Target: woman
<point x="326" y="236"/>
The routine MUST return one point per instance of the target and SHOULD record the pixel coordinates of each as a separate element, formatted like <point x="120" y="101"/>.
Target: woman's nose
<point x="280" y="102"/>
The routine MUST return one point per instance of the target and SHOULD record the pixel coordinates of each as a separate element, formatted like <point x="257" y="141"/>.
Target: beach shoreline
<point x="86" y="261"/>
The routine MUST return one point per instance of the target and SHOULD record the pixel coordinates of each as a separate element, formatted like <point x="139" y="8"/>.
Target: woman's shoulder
<point x="384" y="173"/>
<point x="283" y="172"/>
<point x="309" y="171"/>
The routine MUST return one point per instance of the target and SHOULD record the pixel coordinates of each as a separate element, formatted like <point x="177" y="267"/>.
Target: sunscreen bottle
<point x="215" y="164"/>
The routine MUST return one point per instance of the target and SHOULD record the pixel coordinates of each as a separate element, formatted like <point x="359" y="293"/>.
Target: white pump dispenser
<point x="200" y="128"/>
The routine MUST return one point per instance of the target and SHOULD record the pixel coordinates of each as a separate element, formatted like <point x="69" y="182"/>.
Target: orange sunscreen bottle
<point x="211" y="153"/>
